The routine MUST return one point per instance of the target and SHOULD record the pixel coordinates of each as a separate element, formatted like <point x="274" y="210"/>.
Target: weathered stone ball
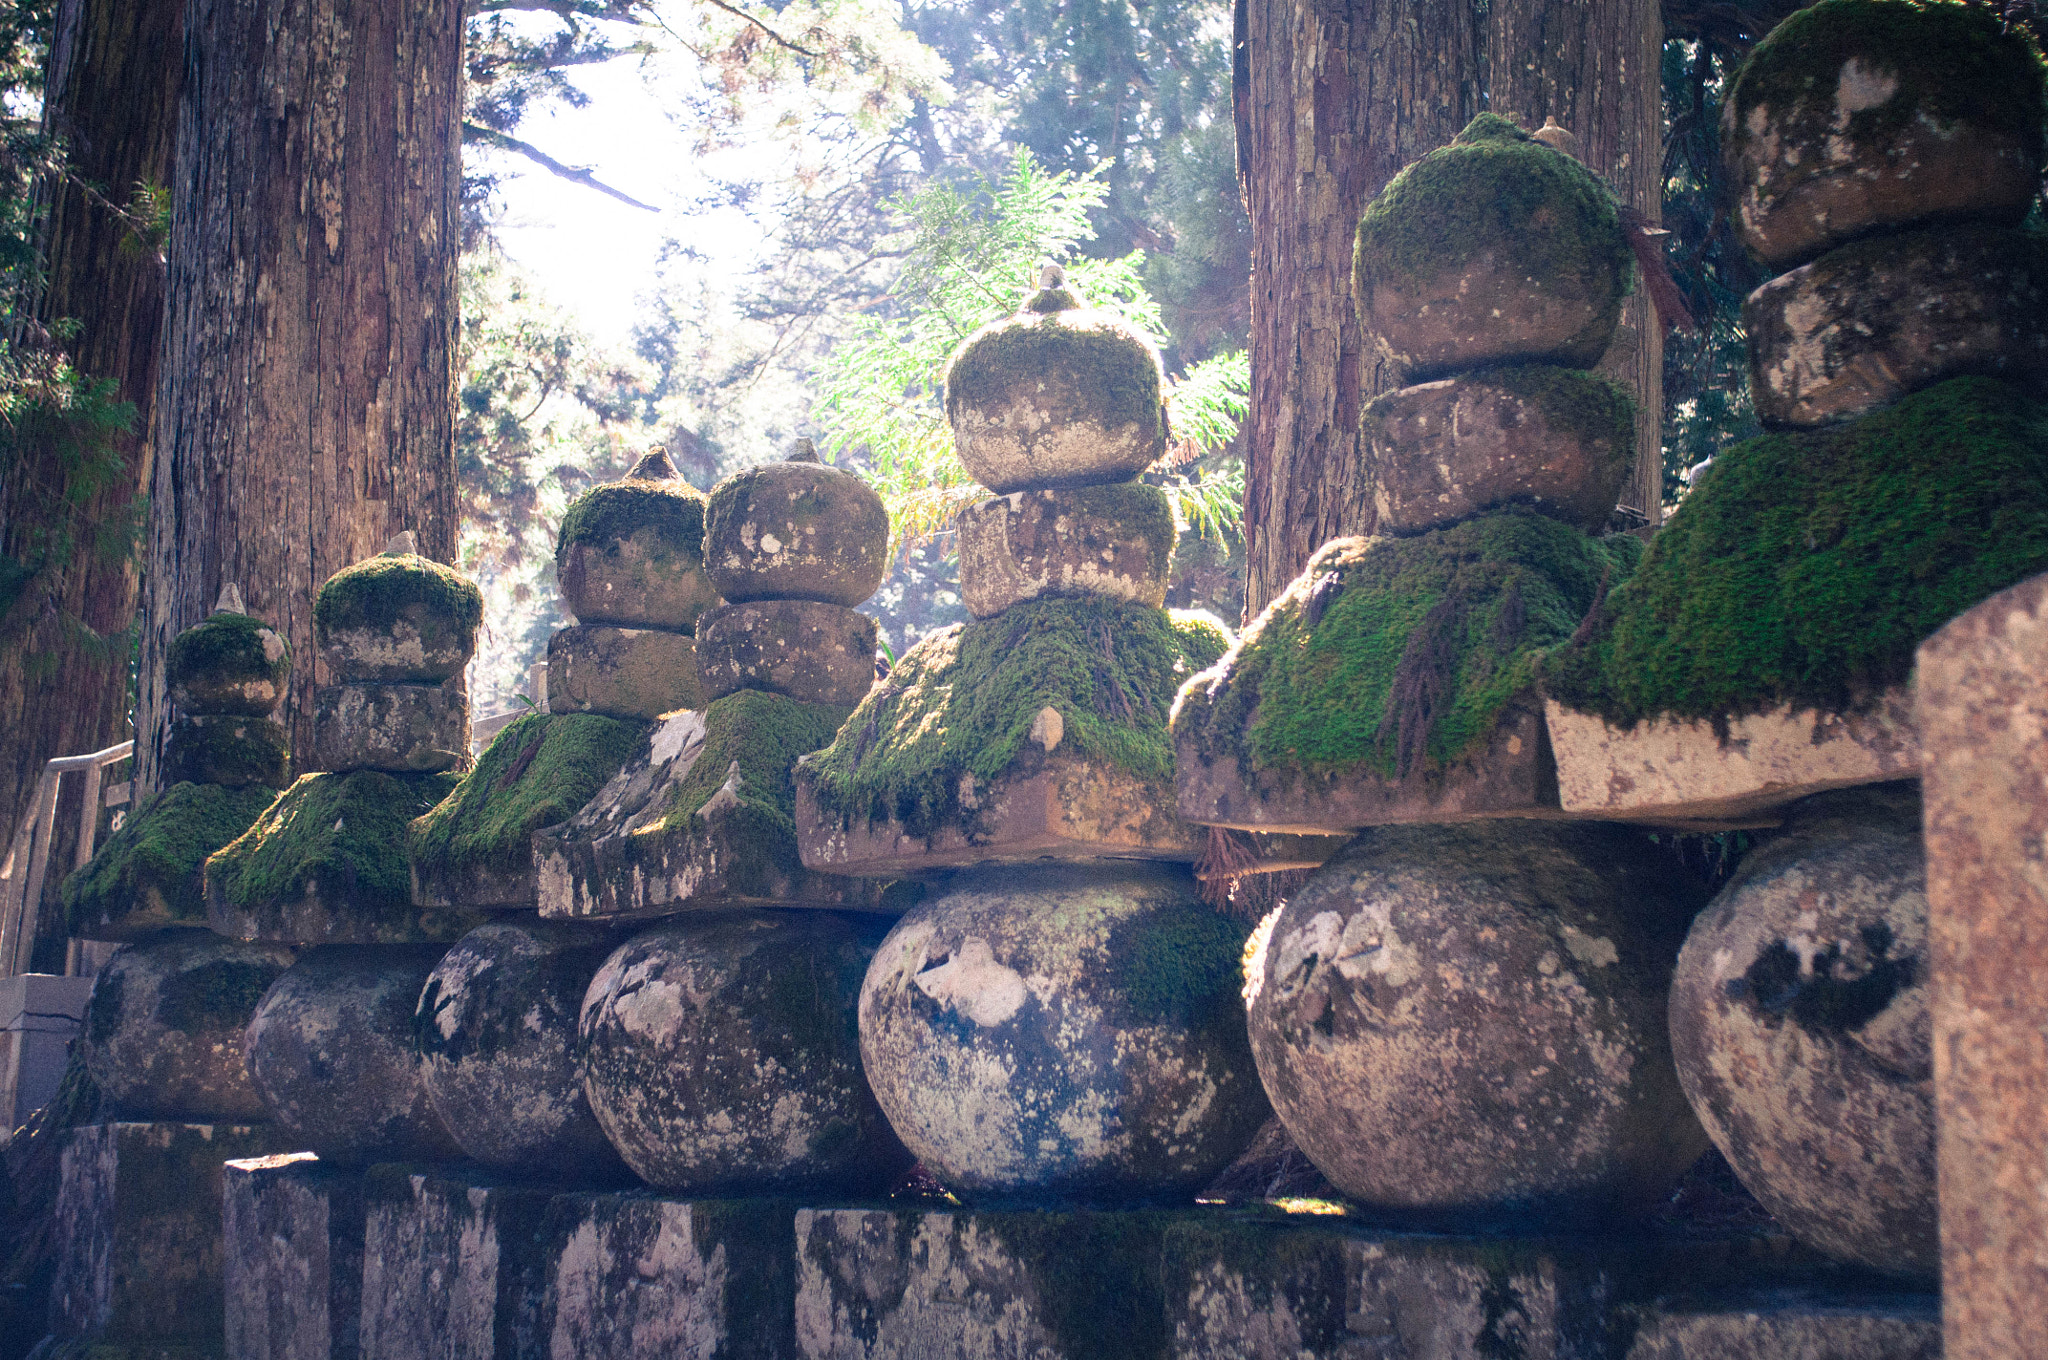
<point x="229" y="663"/>
<point x="1059" y="395"/>
<point x="331" y="1051"/>
<point x="1858" y="115"/>
<point x="720" y="1054"/>
<point x="1468" y="1021"/>
<point x="631" y="552"/>
<point x="1064" y="1029"/>
<point x="796" y="530"/>
<point x="163" y="1035"/>
<point x="1799" y="1016"/>
<point x="1494" y="249"/>
<point x="397" y="616"/>
<point x="497" y="1032"/>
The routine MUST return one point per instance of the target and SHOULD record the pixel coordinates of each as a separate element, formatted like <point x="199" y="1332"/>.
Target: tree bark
<point x="65" y="648"/>
<point x="1593" y="65"/>
<point x="307" y="402"/>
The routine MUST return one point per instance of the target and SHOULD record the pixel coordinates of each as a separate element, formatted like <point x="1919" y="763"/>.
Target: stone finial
<point x="803" y="451"/>
<point x="654" y="466"/>
<point x="1054" y="293"/>
<point x="1052" y="276"/>
<point x="230" y="601"/>
<point x="404" y="541"/>
<point x="1557" y="138"/>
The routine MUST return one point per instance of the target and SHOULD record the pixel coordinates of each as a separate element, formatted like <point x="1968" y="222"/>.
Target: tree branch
<point x="773" y="36"/>
<point x="476" y="132"/>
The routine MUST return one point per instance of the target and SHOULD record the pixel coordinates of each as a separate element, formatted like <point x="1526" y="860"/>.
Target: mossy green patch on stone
<point x="1095" y="366"/>
<point x="1807" y="567"/>
<point x="149" y="872"/>
<point x="1204" y="638"/>
<point x="345" y="832"/>
<point x="1954" y="61"/>
<point x="765" y="733"/>
<point x="1389" y="655"/>
<point x="539" y="770"/>
<point x="609" y="514"/>
<point x="232" y="750"/>
<point x="378" y="591"/>
<point x="1128" y="510"/>
<point x="227" y="648"/>
<point x="1180" y="966"/>
<point x="963" y="702"/>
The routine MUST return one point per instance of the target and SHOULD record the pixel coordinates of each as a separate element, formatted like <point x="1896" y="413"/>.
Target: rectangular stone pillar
<point x="138" y="1229"/>
<point x="293" y="1268"/>
<point x="1982" y="711"/>
<point x="39" y="1014"/>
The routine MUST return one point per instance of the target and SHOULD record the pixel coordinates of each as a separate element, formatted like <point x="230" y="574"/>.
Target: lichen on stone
<point x="228" y="647"/>
<point x="1090" y="366"/>
<point x="153" y="864"/>
<point x="344" y="833"/>
<point x="606" y="515"/>
<point x="539" y="770"/>
<point x="1807" y="566"/>
<point x="1390" y="655"/>
<point x="1590" y="405"/>
<point x="378" y="591"/>
<point x="963" y="701"/>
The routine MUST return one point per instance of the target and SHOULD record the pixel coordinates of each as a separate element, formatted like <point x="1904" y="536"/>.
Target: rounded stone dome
<point x="397" y="616"/>
<point x="796" y="530"/>
<point x="229" y="663"/>
<point x="631" y="552"/>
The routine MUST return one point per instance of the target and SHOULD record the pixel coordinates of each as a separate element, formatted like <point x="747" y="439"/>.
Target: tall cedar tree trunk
<point x="1332" y="98"/>
<point x="112" y="93"/>
<point x="307" y="404"/>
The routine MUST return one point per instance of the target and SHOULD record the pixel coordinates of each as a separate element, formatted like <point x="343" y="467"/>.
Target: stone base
<point x="1793" y="1325"/>
<point x="293" y="1239"/>
<point x="400" y="728"/>
<point x="622" y="672"/>
<point x="1046" y="806"/>
<point x="138" y="1230"/>
<point x="1513" y="776"/>
<point x="232" y="750"/>
<point x="1680" y="774"/>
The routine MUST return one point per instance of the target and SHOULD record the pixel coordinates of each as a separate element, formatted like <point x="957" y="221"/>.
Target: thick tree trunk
<point x="1593" y="65"/>
<point x="306" y="409"/>
<point x="66" y="646"/>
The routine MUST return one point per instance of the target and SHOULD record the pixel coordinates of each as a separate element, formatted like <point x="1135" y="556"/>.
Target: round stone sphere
<point x="796" y="530"/>
<point x="1059" y="395"/>
<point x="719" y="1054"/>
<point x="397" y="616"/>
<point x="1064" y="1029"/>
<point x="631" y="552"/>
<point x="331" y="1051"/>
<point x="1467" y="1022"/>
<point x="1855" y="116"/>
<point x="497" y="1035"/>
<point x="163" y="1031"/>
<point x="1494" y="249"/>
<point x="230" y="663"/>
<point x="1799" y="1016"/>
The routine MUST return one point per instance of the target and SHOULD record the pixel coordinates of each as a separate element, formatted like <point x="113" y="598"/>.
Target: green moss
<point x="765" y="733"/>
<point x="228" y="648"/>
<point x="541" y="769"/>
<point x="221" y="994"/>
<point x="1808" y="566"/>
<point x="152" y="865"/>
<point x="1130" y="510"/>
<point x="1180" y="967"/>
<point x="379" y="591"/>
<point x="345" y="832"/>
<point x="607" y="515"/>
<point x="1093" y="366"/>
<point x="1954" y="61"/>
<point x="1540" y="212"/>
<point x="229" y="750"/>
<point x="963" y="700"/>
<point x="1204" y="638"/>
<point x="1389" y="655"/>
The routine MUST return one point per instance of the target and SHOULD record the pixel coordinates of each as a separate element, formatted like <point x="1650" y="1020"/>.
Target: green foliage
<point x="1807" y="567"/>
<point x="541" y="770"/>
<point x="151" y="866"/>
<point x="963" y="702"/>
<point x="344" y="833"/>
<point x="1394" y="654"/>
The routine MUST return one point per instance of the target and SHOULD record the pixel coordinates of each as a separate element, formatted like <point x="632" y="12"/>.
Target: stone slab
<point x="39" y="1014"/>
<point x="882" y="1284"/>
<point x="1793" y="1324"/>
<point x="622" y="672"/>
<point x="1084" y="541"/>
<point x="1045" y="806"/>
<point x="138" y="1230"/>
<point x="807" y="649"/>
<point x="1982" y="709"/>
<point x="1681" y="774"/>
<point x="399" y="728"/>
<point x="1513" y="776"/>
<point x="293" y="1267"/>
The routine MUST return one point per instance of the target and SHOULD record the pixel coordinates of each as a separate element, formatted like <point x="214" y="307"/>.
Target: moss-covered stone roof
<point x="149" y="872"/>
<point x="765" y="733"/>
<point x="226" y="648"/>
<point x="1092" y="366"/>
<point x="1388" y="655"/>
<point x="346" y="832"/>
<point x="540" y="770"/>
<point x="1808" y="566"/>
<point x="964" y="699"/>
<point x="1952" y="60"/>
<point x="672" y="510"/>
<point x="378" y="591"/>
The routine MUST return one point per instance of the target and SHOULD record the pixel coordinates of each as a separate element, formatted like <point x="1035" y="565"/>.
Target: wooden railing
<point x="28" y="860"/>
